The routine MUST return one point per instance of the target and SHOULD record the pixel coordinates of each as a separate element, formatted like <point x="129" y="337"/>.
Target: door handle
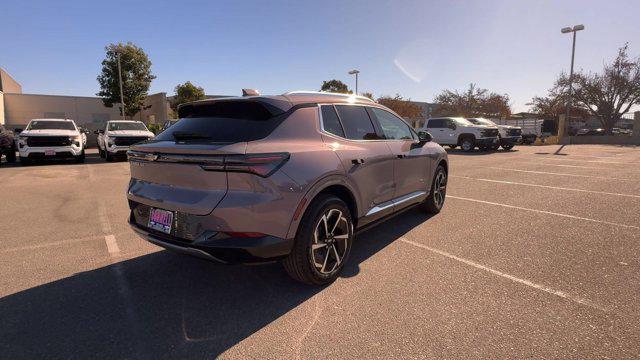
<point x="357" y="161"/>
<point x="401" y="156"/>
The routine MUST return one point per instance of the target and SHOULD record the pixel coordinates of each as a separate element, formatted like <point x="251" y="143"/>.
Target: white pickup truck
<point x="458" y="131"/>
<point x="114" y="140"/>
<point x="509" y="135"/>
<point x="49" y="139"/>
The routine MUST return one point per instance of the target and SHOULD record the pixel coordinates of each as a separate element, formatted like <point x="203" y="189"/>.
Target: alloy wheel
<point x="331" y="241"/>
<point x="440" y="189"/>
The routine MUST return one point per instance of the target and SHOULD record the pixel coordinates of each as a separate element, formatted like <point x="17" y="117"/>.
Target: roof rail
<point x="325" y="93"/>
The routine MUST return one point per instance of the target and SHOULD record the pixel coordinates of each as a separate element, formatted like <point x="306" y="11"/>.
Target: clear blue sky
<point x="513" y="47"/>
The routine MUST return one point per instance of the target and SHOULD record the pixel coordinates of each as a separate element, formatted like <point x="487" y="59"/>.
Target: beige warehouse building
<point x="17" y="108"/>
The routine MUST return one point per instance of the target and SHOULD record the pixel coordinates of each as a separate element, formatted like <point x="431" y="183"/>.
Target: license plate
<point x="49" y="153"/>
<point x="161" y="220"/>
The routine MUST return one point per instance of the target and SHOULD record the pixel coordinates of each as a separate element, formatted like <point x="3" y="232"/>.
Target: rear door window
<point x="356" y="122"/>
<point x="223" y="122"/>
<point x="330" y="121"/>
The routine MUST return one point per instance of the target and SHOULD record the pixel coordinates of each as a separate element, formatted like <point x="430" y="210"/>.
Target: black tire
<point x="100" y="153"/>
<point x="80" y="158"/>
<point x="24" y="161"/>
<point x="301" y="264"/>
<point x="433" y="204"/>
<point x="453" y="146"/>
<point x="507" y="146"/>
<point x="467" y="143"/>
<point x="11" y="155"/>
<point x="108" y="157"/>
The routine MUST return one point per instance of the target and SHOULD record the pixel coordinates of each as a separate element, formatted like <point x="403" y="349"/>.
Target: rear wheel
<point x="434" y="202"/>
<point x="24" y="161"/>
<point x="468" y="144"/>
<point x="323" y="242"/>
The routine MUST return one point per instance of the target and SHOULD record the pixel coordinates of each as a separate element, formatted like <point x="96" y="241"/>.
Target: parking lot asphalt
<point x="536" y="254"/>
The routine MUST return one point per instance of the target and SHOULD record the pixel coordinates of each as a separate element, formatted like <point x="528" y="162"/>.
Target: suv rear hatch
<point x="185" y="167"/>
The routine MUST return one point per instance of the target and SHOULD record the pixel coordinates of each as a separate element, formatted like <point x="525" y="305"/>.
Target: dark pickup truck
<point x="7" y="144"/>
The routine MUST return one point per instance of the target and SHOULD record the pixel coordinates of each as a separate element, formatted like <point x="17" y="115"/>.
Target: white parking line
<point x="112" y="245"/>
<point x="544" y="288"/>
<point x="546" y="186"/>
<point x="545" y="212"/>
<point x="560" y="174"/>
<point x="588" y="161"/>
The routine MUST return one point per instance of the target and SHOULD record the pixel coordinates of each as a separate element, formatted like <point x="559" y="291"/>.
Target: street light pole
<point x="120" y="81"/>
<point x="573" y="30"/>
<point x="355" y="72"/>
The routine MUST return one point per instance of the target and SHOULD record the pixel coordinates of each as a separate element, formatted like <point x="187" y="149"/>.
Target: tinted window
<point x="392" y="126"/>
<point x="437" y="123"/>
<point x="330" y="121"/>
<point x="223" y="122"/>
<point x="53" y="125"/>
<point x="356" y="122"/>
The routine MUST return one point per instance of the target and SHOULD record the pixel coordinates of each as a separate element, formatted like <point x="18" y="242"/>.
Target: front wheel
<point x="24" y="161"/>
<point x="80" y="158"/>
<point x="468" y="144"/>
<point x="11" y="155"/>
<point x="435" y="201"/>
<point x="323" y="242"/>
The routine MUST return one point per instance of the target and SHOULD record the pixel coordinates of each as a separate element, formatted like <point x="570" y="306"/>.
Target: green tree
<point x="472" y="102"/>
<point x="606" y="96"/>
<point x="335" y="86"/>
<point x="136" y="77"/>
<point x="185" y="93"/>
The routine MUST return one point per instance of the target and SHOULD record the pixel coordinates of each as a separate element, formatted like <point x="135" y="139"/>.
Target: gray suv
<point x="289" y="177"/>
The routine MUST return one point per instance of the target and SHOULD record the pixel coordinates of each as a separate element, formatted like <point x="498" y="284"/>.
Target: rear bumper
<point x="219" y="247"/>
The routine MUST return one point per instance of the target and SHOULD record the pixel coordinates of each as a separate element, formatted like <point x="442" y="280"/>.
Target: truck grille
<point x="128" y="140"/>
<point x="489" y="132"/>
<point x="514" y="132"/>
<point x="45" y="141"/>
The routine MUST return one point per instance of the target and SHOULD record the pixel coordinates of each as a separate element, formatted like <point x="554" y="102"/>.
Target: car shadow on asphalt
<point x="90" y="159"/>
<point x="164" y="305"/>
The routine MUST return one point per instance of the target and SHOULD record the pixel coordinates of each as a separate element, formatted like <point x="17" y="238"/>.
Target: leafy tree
<point x="185" y="93"/>
<point x="607" y="95"/>
<point x="401" y="106"/>
<point x="136" y="77"/>
<point x="367" y="94"/>
<point x="335" y="86"/>
<point x="472" y="102"/>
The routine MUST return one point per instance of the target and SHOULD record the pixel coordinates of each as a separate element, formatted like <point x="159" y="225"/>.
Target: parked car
<point x="50" y="139"/>
<point x="458" y="131"/>
<point x="508" y="135"/>
<point x="83" y="132"/>
<point x="590" y="132"/>
<point x="118" y="135"/>
<point x="289" y="177"/>
<point x="7" y="145"/>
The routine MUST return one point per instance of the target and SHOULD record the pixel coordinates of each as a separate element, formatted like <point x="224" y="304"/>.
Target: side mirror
<point x="424" y="137"/>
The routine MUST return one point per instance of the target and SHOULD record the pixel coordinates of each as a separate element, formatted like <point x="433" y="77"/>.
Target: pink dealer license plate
<point x="161" y="220"/>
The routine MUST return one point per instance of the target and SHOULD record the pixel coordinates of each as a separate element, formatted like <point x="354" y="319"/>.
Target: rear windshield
<point x="51" y="125"/>
<point x="115" y="126"/>
<point x="223" y="122"/>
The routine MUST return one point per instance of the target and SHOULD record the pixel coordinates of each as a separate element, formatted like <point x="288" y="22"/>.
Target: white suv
<point x="115" y="139"/>
<point x="50" y="138"/>
<point x="458" y="131"/>
<point x="509" y="135"/>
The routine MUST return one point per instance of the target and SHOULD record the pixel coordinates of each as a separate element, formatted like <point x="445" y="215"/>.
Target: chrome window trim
<point x="322" y="130"/>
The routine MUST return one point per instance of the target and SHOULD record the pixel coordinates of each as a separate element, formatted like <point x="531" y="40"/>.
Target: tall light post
<point x="120" y="81"/>
<point x="355" y="72"/>
<point x="573" y="30"/>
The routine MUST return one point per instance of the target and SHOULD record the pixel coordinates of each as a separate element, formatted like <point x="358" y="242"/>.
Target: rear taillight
<point x="260" y="164"/>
